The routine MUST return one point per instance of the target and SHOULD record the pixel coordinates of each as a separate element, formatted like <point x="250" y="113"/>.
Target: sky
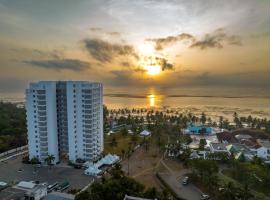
<point x="142" y="45"/>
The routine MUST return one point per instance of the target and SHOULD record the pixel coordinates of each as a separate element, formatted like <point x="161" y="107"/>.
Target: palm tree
<point x="49" y="160"/>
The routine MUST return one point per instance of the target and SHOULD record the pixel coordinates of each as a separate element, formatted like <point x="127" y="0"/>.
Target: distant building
<point x="65" y="119"/>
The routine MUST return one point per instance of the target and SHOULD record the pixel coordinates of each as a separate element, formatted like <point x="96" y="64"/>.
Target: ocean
<point x="214" y="102"/>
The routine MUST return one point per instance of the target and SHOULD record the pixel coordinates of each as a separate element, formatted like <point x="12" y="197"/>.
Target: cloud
<point x="216" y="40"/>
<point x="96" y="29"/>
<point x="125" y="64"/>
<point x="60" y="64"/>
<point x="161" y="43"/>
<point x="104" y="51"/>
<point x="210" y="40"/>
<point x="164" y="63"/>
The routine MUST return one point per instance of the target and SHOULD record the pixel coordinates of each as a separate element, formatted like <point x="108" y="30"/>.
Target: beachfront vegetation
<point x="12" y="126"/>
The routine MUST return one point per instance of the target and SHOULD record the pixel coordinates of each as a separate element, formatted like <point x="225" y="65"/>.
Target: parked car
<point x="205" y="197"/>
<point x="185" y="180"/>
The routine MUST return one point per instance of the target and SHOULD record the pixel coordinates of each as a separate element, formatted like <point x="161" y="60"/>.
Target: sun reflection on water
<point x="152" y="100"/>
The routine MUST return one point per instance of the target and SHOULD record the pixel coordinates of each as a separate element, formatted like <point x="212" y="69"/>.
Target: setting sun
<point x="153" y="69"/>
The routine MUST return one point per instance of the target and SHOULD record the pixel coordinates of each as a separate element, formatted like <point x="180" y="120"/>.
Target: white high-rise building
<point x="65" y="119"/>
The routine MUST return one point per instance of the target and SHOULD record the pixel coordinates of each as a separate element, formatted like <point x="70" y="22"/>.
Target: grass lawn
<point x="122" y="143"/>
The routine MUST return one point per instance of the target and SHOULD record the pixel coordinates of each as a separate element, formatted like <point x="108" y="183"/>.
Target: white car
<point x="205" y="197"/>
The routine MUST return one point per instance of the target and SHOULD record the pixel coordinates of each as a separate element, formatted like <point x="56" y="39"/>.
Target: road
<point x="174" y="180"/>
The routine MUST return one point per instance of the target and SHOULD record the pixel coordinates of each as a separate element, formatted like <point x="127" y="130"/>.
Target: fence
<point x="12" y="151"/>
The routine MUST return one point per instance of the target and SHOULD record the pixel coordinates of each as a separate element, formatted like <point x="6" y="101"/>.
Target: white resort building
<point x="65" y="119"/>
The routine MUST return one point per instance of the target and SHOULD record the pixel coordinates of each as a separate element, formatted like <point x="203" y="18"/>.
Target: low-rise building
<point x="24" y="190"/>
<point x="240" y="151"/>
<point x="263" y="150"/>
<point x="218" y="148"/>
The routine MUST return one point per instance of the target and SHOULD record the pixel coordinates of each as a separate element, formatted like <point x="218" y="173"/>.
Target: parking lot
<point x="14" y="170"/>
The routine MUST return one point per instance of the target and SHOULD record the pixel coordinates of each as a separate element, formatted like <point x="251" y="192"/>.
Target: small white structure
<point x="145" y="133"/>
<point x="32" y="190"/>
<point x="93" y="168"/>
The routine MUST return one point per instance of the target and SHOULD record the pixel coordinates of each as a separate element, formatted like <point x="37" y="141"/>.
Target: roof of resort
<point x="226" y="137"/>
<point x="145" y="133"/>
<point x="218" y="146"/>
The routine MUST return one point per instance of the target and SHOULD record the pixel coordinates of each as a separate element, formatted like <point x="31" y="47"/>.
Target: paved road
<point x="14" y="170"/>
<point x="174" y="180"/>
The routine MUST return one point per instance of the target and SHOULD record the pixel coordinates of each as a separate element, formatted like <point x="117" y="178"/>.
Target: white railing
<point x="12" y="151"/>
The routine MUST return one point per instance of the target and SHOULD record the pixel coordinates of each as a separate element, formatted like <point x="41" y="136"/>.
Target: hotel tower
<point x="65" y="119"/>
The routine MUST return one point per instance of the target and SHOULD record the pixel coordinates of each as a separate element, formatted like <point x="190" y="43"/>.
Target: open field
<point x="122" y="143"/>
<point x="143" y="165"/>
<point x="9" y="173"/>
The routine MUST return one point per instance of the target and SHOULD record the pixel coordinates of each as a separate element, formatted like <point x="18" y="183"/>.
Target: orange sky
<point x="136" y="44"/>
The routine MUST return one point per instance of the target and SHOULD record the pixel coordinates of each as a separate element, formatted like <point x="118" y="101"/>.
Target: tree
<point x="34" y="160"/>
<point x="113" y="142"/>
<point x="85" y="195"/>
<point x="203" y="118"/>
<point x="49" y="160"/>
<point x="202" y="144"/>
<point x="124" y="131"/>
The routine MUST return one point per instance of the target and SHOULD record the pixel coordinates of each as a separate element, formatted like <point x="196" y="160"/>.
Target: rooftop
<point x="59" y="196"/>
<point x="218" y="146"/>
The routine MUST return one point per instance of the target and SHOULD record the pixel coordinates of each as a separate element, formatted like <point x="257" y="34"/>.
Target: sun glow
<point x="152" y="69"/>
<point x="152" y="100"/>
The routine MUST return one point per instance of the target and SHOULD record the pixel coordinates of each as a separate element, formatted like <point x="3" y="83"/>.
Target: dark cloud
<point x="216" y="40"/>
<point x="210" y="40"/>
<point x="164" y="63"/>
<point x="104" y="51"/>
<point x="161" y="43"/>
<point x="60" y="64"/>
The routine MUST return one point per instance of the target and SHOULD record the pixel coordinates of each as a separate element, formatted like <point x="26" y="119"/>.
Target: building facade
<point x="65" y="119"/>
